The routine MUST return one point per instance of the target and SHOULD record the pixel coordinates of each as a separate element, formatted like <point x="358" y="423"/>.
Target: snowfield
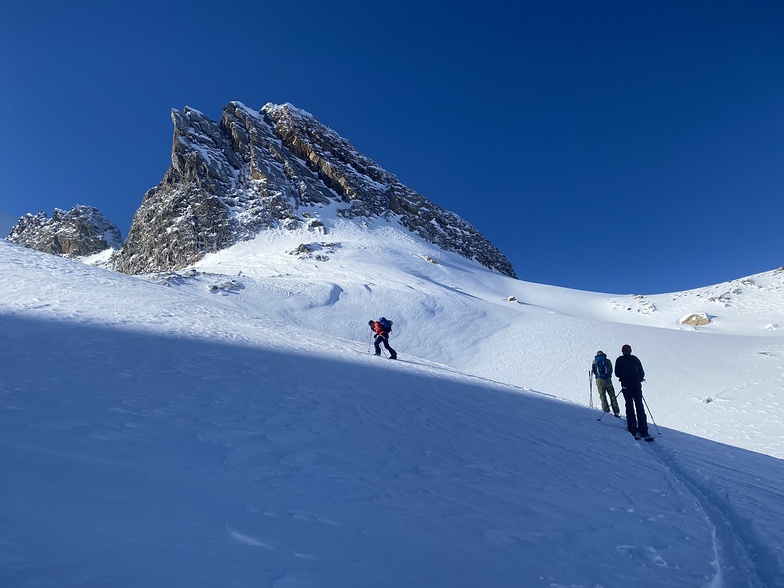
<point x="227" y="426"/>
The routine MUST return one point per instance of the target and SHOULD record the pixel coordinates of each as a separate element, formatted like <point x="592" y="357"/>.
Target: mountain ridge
<point x="251" y="171"/>
<point x="275" y="168"/>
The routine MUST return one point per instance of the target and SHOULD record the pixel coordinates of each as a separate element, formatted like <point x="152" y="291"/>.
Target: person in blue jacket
<point x="602" y="369"/>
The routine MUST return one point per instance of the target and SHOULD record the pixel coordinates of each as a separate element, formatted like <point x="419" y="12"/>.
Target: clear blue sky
<point x="614" y="146"/>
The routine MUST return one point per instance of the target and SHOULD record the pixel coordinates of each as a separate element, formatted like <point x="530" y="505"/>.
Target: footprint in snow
<point x="648" y="554"/>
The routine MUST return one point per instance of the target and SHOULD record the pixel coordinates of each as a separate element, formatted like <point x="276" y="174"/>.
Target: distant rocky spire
<point x="256" y="170"/>
<point x="78" y="232"/>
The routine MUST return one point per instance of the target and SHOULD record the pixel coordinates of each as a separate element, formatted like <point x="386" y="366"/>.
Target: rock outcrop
<point x="696" y="319"/>
<point x="78" y="232"/>
<point x="275" y="168"/>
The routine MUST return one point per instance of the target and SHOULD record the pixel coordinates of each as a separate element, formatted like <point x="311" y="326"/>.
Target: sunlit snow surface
<point x="228" y="427"/>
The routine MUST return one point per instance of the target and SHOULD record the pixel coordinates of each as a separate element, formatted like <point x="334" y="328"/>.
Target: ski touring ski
<point x="637" y="436"/>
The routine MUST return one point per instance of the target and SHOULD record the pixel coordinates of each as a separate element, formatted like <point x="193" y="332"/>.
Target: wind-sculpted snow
<point x="162" y="432"/>
<point x="276" y="168"/>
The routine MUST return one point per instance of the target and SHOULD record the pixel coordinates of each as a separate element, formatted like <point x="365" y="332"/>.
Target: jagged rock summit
<point x="78" y="232"/>
<point x="275" y="168"/>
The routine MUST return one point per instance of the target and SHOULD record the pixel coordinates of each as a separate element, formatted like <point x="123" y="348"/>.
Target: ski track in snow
<point x="743" y="559"/>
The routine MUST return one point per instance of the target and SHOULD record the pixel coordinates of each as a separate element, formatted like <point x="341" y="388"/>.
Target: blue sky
<point x="613" y="146"/>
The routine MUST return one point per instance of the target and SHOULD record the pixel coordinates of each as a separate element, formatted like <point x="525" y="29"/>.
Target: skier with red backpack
<point x="381" y="329"/>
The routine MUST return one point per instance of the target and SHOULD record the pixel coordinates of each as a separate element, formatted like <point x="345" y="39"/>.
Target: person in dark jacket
<point x="628" y="369"/>
<point x="381" y="336"/>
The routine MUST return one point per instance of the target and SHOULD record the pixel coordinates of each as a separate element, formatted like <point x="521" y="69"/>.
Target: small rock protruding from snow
<point x="697" y="319"/>
<point x="311" y="250"/>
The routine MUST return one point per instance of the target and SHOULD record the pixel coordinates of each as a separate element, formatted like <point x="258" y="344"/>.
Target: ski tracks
<point x="743" y="560"/>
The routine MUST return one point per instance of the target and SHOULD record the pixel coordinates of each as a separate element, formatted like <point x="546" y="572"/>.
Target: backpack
<point x="386" y="324"/>
<point x="603" y="368"/>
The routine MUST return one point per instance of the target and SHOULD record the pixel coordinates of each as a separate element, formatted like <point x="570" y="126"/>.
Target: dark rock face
<point x="78" y="232"/>
<point x="272" y="169"/>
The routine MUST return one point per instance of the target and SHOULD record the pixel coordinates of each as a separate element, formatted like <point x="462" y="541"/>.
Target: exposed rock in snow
<point x="78" y="232"/>
<point x="635" y="303"/>
<point x="314" y="251"/>
<point x="697" y="319"/>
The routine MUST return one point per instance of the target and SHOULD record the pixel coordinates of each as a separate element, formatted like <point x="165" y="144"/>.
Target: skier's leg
<point x="602" y="395"/>
<point x="642" y="420"/>
<point x="631" y="420"/>
<point x="613" y="399"/>
<point x="392" y="352"/>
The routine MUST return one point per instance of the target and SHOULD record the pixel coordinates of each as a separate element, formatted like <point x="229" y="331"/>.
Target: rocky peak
<point x="78" y="232"/>
<point x="274" y="168"/>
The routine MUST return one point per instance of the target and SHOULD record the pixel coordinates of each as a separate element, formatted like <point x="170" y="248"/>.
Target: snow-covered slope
<point x="227" y="426"/>
<point x="723" y="381"/>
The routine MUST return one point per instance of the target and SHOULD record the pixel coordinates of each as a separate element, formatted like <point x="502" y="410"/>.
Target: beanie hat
<point x="626" y="349"/>
<point x="600" y="353"/>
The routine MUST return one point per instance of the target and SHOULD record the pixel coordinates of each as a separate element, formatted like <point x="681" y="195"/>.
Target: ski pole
<point x="590" y="388"/>
<point x="658" y="432"/>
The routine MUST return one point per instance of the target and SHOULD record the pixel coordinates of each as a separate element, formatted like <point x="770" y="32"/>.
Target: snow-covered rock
<point x="79" y="232"/>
